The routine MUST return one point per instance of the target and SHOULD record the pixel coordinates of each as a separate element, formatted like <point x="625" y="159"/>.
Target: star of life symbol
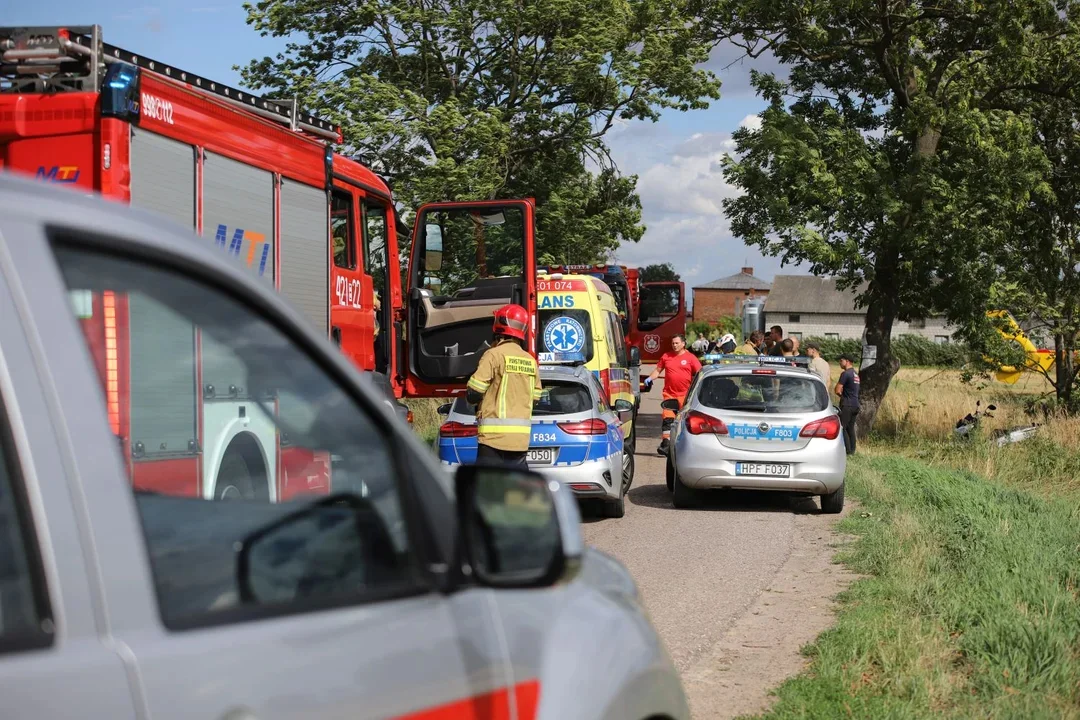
<point x="564" y="335"/>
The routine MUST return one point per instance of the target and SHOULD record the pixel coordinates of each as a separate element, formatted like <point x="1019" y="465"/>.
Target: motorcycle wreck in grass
<point x="967" y="426"/>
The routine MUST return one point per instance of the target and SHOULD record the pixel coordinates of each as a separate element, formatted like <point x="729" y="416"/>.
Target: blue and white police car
<point x="577" y="437"/>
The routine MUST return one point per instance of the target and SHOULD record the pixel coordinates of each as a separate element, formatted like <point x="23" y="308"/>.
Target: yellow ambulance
<point x="578" y="321"/>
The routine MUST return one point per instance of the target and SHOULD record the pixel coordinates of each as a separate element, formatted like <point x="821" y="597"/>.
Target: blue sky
<point x="676" y="159"/>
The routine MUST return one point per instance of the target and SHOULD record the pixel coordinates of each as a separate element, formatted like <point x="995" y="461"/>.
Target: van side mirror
<point x="517" y="529"/>
<point x="635" y="356"/>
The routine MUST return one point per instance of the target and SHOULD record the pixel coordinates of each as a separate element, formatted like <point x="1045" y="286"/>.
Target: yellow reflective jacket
<point x="509" y="381"/>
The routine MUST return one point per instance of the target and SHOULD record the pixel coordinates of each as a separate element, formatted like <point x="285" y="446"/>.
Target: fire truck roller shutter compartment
<point x="238" y="436"/>
<point x="305" y="257"/>
<point x="162" y="351"/>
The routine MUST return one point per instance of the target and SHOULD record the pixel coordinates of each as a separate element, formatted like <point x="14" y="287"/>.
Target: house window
<point x="797" y="336"/>
<point x="941" y="339"/>
<point x="792" y="318"/>
<point x="832" y="336"/>
<point x="918" y="323"/>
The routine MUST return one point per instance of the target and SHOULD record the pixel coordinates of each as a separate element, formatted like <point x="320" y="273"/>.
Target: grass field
<point x="971" y="602"/>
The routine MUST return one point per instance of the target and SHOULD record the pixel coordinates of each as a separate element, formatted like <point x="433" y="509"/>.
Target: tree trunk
<point x="1063" y="370"/>
<point x="874" y="380"/>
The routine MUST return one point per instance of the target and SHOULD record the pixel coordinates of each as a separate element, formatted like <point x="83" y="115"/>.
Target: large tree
<point x="898" y="151"/>
<point x="479" y="99"/>
<point x="659" y="273"/>
<point x="1037" y="264"/>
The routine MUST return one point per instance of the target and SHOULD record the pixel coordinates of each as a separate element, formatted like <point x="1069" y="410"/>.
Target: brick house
<point x="724" y="297"/>
<point x="809" y="306"/>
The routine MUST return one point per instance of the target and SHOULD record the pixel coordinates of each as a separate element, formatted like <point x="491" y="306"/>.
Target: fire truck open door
<point x="468" y="259"/>
<point x="661" y="316"/>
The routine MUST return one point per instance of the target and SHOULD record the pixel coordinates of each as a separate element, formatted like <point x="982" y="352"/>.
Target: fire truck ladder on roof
<point x="66" y="59"/>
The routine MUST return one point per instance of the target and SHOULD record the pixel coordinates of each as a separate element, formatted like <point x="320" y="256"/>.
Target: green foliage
<point x="1036" y="263"/>
<point x="910" y="351"/>
<point x="900" y="149"/>
<point x="726" y="324"/>
<point x="969" y="610"/>
<point x="479" y="99"/>
<point x="659" y="273"/>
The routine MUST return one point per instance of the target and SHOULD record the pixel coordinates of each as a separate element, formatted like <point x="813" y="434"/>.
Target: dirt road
<point x="735" y="588"/>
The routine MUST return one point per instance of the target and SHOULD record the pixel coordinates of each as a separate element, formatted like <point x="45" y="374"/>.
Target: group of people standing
<point x="771" y="343"/>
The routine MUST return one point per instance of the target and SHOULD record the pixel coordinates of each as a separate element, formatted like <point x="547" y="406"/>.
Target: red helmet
<point x="512" y="321"/>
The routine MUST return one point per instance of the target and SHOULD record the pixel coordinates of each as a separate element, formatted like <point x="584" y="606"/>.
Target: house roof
<point x="738" y="281"/>
<point x="807" y="293"/>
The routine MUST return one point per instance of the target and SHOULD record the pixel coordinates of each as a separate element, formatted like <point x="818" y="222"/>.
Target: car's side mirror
<point x="635" y="357"/>
<point x="622" y="405"/>
<point x="444" y="409"/>
<point x="671" y="404"/>
<point x="338" y="545"/>
<point x="517" y="529"/>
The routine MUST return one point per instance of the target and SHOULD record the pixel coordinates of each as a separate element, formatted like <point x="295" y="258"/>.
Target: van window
<point x="615" y="334"/>
<point x="566" y="331"/>
<point x="303" y="505"/>
<point x="25" y="618"/>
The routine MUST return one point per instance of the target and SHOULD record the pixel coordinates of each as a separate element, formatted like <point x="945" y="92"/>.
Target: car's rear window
<point x="763" y="393"/>
<point x="561" y="397"/>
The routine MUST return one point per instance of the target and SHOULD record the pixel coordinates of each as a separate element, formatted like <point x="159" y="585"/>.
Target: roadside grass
<point x="426" y="419"/>
<point x="970" y="606"/>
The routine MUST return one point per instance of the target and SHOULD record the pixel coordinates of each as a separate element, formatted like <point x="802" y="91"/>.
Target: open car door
<point x="468" y="259"/>
<point x="661" y="316"/>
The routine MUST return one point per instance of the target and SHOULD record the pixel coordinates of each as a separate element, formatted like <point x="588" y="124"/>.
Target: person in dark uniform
<point x="848" y="390"/>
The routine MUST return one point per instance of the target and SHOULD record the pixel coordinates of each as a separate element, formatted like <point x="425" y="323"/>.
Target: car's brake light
<point x="828" y="428"/>
<point x="595" y="426"/>
<point x="455" y="429"/>
<point x="762" y="371"/>
<point x="698" y="423"/>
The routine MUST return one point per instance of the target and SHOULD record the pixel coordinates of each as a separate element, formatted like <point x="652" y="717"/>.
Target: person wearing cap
<point x="818" y="365"/>
<point x="848" y="390"/>
<point x="679" y="367"/>
<point x="504" y="387"/>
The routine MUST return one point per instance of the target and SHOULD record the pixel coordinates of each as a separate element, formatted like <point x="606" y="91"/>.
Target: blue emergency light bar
<point x="725" y="359"/>
<point x="548" y="358"/>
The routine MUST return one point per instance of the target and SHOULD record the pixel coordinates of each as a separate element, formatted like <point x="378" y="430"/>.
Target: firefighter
<point x="504" y="386"/>
<point x="680" y="367"/>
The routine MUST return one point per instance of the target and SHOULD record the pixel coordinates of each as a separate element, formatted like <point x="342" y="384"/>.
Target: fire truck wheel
<point x="241" y="475"/>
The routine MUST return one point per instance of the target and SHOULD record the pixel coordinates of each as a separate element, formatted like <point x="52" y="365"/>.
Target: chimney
<point x="748" y="271"/>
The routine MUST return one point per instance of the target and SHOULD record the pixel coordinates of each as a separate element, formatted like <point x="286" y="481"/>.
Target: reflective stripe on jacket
<point x="508" y="378"/>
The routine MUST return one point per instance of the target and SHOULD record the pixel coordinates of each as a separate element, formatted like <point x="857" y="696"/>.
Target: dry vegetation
<point x="921" y="410"/>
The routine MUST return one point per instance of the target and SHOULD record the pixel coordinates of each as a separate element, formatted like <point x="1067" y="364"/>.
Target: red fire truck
<point x="660" y="314"/>
<point x="259" y="180"/>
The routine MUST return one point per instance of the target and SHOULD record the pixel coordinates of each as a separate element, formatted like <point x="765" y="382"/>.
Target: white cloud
<point x="751" y="121"/>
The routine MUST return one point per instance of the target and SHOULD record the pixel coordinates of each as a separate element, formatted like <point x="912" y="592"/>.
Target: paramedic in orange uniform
<point x="680" y="366"/>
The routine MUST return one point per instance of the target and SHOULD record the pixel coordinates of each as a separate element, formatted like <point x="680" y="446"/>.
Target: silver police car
<point x="757" y="423"/>
<point x="577" y="437"/>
